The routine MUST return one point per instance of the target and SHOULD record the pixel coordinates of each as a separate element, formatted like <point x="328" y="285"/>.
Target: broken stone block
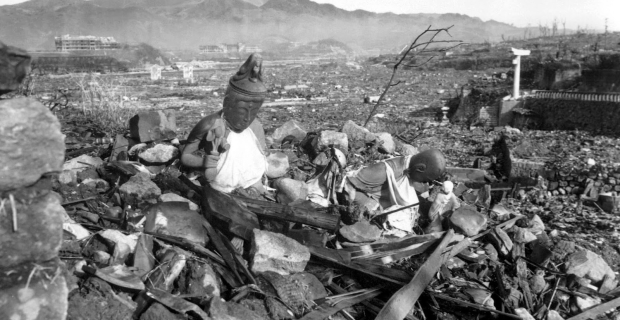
<point x="289" y="128"/>
<point x="121" y="146"/>
<point x="38" y="231"/>
<point x="468" y="221"/>
<point x="554" y="315"/>
<point x="14" y="67"/>
<point x="290" y="190"/>
<point x="388" y="145"/>
<point x="586" y="302"/>
<point x="328" y="138"/>
<point x="277" y="165"/>
<point x="357" y="133"/>
<point x="153" y="126"/>
<point x="278" y="253"/>
<point x="361" y="231"/>
<point x="139" y="189"/>
<point x="608" y="284"/>
<point x="587" y="264"/>
<point x="173" y="197"/>
<point x="312" y="287"/>
<point x="524" y="314"/>
<point x="73" y="167"/>
<point x="31" y="143"/>
<point x="176" y="219"/>
<point x="536" y="225"/>
<point x="36" y="294"/>
<point x="160" y="153"/>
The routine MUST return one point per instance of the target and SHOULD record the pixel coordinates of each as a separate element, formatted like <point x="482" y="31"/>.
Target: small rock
<point x="220" y="309"/>
<point x="481" y="296"/>
<point x="154" y="125"/>
<point x="176" y="219"/>
<point x="201" y="280"/>
<point x="290" y="190"/>
<point x="327" y="138"/>
<point x="522" y="312"/>
<point x="455" y="263"/>
<point x="468" y="221"/>
<point x="608" y="284"/>
<point x="124" y="245"/>
<point x="491" y="252"/>
<point x="361" y="231"/>
<point x="277" y="165"/>
<point x="160" y="153"/>
<point x="406" y="149"/>
<point x="173" y="197"/>
<point x="31" y="142"/>
<point x="313" y="288"/>
<point x="587" y="302"/>
<point x="357" y="133"/>
<point x="139" y="189"/>
<point x="289" y="128"/>
<point x="538" y="283"/>
<point x="96" y="183"/>
<point x="278" y="253"/>
<point x="101" y="257"/>
<point x="536" y="225"/>
<point x="388" y="145"/>
<point x="587" y="264"/>
<point x="554" y="315"/>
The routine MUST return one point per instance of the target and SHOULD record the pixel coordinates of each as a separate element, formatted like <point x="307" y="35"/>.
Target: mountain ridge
<point x="187" y="24"/>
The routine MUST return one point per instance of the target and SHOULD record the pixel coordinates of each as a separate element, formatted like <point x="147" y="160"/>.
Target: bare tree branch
<point x="414" y="45"/>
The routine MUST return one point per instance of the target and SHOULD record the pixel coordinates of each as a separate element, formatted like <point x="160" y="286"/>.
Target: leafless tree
<point x="405" y="59"/>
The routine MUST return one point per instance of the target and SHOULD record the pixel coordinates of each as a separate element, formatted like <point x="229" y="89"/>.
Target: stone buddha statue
<point x="232" y="138"/>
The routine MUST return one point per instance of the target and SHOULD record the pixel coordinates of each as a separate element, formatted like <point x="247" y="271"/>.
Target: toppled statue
<point x="391" y="182"/>
<point x="445" y="203"/>
<point x="14" y="67"/>
<point x="233" y="139"/>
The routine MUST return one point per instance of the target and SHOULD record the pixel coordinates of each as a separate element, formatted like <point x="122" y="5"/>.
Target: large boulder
<point x="31" y="143"/>
<point x="176" y="219"/>
<point x="289" y="128"/>
<point x="153" y="126"/>
<point x="357" y="133"/>
<point x="278" y="253"/>
<point x="139" y="189"/>
<point x="14" y="67"/>
<point x="38" y="234"/>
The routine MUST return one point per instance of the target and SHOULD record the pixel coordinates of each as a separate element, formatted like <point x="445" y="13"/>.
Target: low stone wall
<point x="600" y="117"/>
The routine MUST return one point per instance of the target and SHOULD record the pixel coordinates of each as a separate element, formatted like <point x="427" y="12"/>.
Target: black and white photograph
<point x="309" y="159"/>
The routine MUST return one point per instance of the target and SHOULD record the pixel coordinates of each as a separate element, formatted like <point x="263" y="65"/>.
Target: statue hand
<point x="211" y="160"/>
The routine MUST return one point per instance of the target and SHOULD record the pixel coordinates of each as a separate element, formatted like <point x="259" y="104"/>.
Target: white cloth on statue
<point x="242" y="165"/>
<point x="402" y="193"/>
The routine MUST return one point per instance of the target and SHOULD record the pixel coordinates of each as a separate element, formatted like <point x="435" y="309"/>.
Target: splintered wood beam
<point x="279" y="211"/>
<point x="401" y="303"/>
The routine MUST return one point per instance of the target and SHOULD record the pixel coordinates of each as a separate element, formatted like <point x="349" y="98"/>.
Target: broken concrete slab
<point x="139" y="189"/>
<point x="160" y="153"/>
<point x="277" y="165"/>
<point x="153" y="126"/>
<point x="289" y="128"/>
<point x="278" y="253"/>
<point x="31" y="143"/>
<point x="361" y="231"/>
<point x="468" y="221"/>
<point x="176" y="219"/>
<point x="587" y="264"/>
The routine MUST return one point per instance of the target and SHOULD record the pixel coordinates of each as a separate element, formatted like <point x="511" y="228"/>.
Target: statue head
<point x="245" y="94"/>
<point x="427" y="166"/>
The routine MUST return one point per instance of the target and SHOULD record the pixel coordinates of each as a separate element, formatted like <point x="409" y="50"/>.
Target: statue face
<point x="427" y="166"/>
<point x="240" y="112"/>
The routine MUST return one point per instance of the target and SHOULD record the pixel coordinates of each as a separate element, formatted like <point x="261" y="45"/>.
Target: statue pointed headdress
<point x="248" y="80"/>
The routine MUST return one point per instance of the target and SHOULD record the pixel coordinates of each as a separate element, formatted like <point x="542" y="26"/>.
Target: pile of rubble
<point x="143" y="239"/>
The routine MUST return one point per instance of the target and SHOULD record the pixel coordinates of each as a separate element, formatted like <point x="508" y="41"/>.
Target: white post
<point x="517" y="76"/>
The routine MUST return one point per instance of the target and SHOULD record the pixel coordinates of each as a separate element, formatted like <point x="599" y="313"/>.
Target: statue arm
<point x="198" y="133"/>
<point x="259" y="132"/>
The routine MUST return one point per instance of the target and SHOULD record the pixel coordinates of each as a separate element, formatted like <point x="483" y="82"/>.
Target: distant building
<point x="75" y="43"/>
<point x="229" y="48"/>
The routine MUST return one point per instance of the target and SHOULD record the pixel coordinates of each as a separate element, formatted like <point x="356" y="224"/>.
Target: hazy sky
<point x="583" y="13"/>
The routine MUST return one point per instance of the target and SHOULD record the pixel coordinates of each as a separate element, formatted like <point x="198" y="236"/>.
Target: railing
<point x="581" y="96"/>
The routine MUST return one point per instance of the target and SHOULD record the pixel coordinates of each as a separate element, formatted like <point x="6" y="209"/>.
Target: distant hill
<point x="186" y="24"/>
